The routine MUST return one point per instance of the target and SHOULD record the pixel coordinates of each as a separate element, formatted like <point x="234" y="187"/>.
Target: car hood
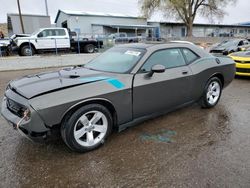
<point x="19" y="36"/>
<point x="39" y="84"/>
<point x="241" y="54"/>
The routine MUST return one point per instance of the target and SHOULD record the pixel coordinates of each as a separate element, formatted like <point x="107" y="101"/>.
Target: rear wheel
<point x="89" y="48"/>
<point x="87" y="128"/>
<point x="212" y="93"/>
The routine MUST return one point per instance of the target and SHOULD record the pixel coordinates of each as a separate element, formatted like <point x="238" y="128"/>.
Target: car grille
<point x="244" y="62"/>
<point x="216" y="51"/>
<point x="242" y="70"/>
<point x="15" y="107"/>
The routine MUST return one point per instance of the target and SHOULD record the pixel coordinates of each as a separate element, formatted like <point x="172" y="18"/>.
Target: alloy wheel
<point x="90" y="128"/>
<point x="213" y="92"/>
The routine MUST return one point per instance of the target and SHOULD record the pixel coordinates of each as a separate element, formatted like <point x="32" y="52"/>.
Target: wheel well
<point x="27" y="44"/>
<point x="104" y="103"/>
<point x="221" y="77"/>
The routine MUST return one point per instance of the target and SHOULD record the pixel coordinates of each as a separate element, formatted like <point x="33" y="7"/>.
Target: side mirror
<point x="157" y="69"/>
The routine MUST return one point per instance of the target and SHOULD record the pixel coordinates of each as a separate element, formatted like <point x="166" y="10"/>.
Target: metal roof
<point x="124" y="26"/>
<point x="100" y="14"/>
<point x="244" y="23"/>
<point x="34" y="15"/>
<point x="203" y="24"/>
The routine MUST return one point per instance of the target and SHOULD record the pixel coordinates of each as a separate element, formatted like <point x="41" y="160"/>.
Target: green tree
<point x="186" y="10"/>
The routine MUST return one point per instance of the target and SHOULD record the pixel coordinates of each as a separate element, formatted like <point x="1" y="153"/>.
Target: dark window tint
<point x="190" y="56"/>
<point x="170" y="58"/>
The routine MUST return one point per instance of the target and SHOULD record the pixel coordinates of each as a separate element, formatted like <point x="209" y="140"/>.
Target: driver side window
<point x="169" y="58"/>
<point x="46" y="33"/>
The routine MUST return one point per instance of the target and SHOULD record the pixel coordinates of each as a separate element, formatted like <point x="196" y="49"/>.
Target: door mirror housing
<point x="157" y="69"/>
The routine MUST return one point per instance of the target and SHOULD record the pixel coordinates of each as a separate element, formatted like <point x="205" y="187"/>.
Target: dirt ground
<point x="191" y="147"/>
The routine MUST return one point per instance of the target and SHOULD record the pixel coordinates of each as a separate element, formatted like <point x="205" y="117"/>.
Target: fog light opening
<point x="26" y="117"/>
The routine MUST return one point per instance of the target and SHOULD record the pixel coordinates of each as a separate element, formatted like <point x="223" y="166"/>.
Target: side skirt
<point x="139" y="120"/>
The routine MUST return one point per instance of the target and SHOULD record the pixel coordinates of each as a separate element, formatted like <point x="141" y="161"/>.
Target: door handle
<point x="184" y="72"/>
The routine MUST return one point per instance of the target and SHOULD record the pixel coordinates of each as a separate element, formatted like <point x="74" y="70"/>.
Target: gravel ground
<point x="191" y="147"/>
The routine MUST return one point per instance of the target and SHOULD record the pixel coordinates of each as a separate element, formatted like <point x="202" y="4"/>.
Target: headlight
<point x="8" y="87"/>
<point x="15" y="41"/>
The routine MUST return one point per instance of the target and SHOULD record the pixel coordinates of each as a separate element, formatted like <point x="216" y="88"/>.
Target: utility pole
<point x="20" y="15"/>
<point x="46" y="6"/>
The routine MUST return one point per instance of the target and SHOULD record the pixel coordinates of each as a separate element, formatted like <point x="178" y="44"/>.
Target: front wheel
<point x="27" y="50"/>
<point x="212" y="93"/>
<point x="87" y="128"/>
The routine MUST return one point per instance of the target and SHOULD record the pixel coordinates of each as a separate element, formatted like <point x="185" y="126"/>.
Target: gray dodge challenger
<point x="120" y="88"/>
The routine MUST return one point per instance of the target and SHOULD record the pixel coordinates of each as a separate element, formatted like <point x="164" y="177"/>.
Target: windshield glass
<point x="118" y="60"/>
<point x="36" y="31"/>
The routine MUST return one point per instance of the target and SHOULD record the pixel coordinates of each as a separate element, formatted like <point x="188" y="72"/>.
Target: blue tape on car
<point x="116" y="83"/>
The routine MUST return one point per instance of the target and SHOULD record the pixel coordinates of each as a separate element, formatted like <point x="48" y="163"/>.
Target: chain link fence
<point x="78" y="44"/>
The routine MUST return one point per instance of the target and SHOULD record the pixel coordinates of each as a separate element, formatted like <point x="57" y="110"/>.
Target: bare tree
<point x="186" y="10"/>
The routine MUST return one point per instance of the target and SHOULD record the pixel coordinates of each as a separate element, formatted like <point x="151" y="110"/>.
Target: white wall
<point x="85" y="23"/>
<point x="168" y="31"/>
<point x="31" y="23"/>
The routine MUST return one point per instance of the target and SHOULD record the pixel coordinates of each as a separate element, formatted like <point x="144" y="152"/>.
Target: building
<point x="94" y="23"/>
<point x="175" y="29"/>
<point x="31" y="23"/>
<point x="244" y="23"/>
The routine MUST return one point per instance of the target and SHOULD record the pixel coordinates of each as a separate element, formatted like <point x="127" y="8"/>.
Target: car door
<point x="61" y="38"/>
<point x="162" y="91"/>
<point x="44" y="39"/>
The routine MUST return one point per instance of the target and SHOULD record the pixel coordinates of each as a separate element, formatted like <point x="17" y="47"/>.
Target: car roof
<point x="158" y="46"/>
<point x="148" y="45"/>
<point x="136" y="45"/>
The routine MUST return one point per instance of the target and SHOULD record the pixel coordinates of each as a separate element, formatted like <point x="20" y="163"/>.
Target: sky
<point x="235" y="13"/>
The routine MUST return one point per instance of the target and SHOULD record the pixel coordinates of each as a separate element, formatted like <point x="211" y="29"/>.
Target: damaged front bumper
<point x="32" y="127"/>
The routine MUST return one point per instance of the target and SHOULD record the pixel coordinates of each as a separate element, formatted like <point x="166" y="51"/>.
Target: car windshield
<point x="35" y="32"/>
<point x="118" y="60"/>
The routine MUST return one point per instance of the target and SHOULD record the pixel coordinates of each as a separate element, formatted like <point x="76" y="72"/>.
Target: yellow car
<point x="242" y="61"/>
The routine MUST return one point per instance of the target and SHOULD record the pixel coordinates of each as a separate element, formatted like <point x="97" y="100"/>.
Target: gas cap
<point x="217" y="61"/>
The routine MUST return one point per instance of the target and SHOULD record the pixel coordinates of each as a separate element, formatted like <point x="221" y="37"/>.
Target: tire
<point x="89" y="48"/>
<point x="27" y="50"/>
<point x="212" y="93"/>
<point x="80" y="134"/>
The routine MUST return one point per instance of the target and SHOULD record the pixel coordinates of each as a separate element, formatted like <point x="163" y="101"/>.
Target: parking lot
<point x="187" y="148"/>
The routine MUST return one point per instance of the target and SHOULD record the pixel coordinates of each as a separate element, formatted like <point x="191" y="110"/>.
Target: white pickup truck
<point x="53" y="39"/>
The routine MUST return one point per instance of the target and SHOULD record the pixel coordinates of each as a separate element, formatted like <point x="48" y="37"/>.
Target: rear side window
<point x="60" y="32"/>
<point x="189" y="55"/>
